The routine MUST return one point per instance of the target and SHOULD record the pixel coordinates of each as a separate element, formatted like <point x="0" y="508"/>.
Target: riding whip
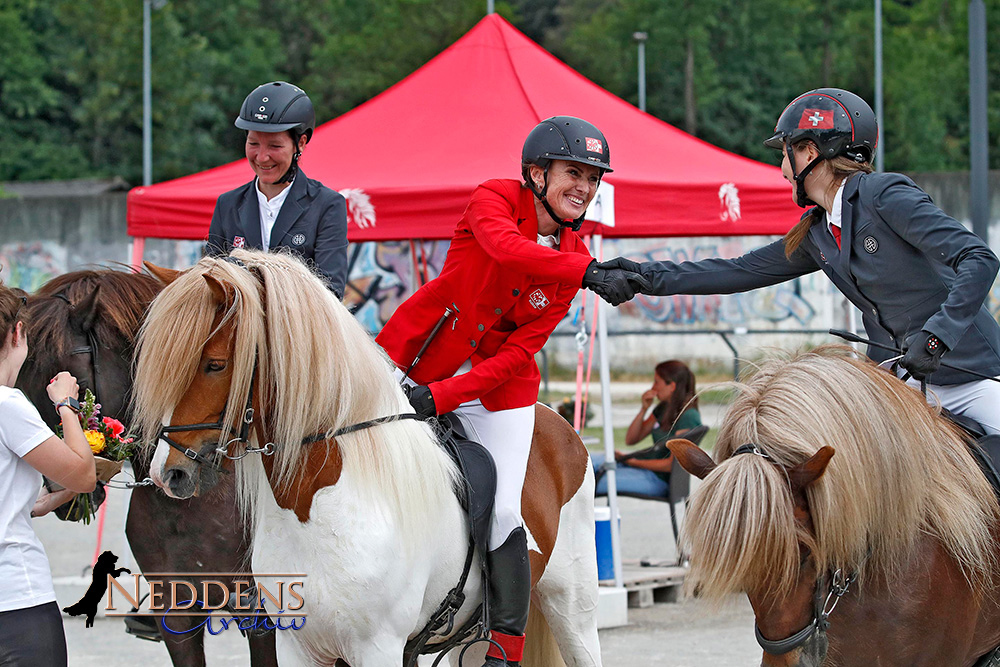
<point x="430" y="337"/>
<point x="854" y="338"/>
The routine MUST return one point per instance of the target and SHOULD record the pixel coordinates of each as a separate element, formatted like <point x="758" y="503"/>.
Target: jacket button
<point x="472" y="343"/>
<point x="874" y="311"/>
<point x="498" y="311"/>
<point x="516" y="292"/>
<point x="481" y="327"/>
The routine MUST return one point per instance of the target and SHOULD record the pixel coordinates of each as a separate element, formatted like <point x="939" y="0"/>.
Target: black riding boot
<point x="509" y="595"/>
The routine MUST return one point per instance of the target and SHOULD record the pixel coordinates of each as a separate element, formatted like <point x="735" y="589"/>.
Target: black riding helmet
<point x="279" y="107"/>
<point x="837" y="121"/>
<point x="563" y="138"/>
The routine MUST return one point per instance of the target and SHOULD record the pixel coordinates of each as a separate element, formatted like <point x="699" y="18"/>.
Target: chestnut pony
<point x="87" y="322"/>
<point x="884" y="553"/>
<point x="370" y="516"/>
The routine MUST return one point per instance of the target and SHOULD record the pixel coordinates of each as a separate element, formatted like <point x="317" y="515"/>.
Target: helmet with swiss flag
<point x="565" y="138"/>
<point x="838" y="121"/>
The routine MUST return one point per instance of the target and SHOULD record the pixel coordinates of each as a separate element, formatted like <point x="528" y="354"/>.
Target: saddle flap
<point x="479" y="474"/>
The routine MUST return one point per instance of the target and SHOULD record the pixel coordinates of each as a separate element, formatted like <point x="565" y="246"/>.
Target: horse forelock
<point x="899" y="470"/>
<point x="317" y="370"/>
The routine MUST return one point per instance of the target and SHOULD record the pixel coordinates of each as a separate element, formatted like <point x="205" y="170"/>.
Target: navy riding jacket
<point x="903" y="262"/>
<point x="312" y="223"/>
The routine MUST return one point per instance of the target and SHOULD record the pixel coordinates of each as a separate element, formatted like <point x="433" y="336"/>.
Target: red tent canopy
<point x="418" y="149"/>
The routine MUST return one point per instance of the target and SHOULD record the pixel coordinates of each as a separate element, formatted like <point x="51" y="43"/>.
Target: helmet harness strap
<point x="801" y="198"/>
<point x="541" y="194"/>
<point x="293" y="168"/>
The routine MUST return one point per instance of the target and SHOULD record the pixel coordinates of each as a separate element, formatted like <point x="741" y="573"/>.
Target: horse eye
<point x="215" y="366"/>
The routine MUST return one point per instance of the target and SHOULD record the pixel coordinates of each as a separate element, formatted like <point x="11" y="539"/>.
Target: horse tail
<point x="540" y="647"/>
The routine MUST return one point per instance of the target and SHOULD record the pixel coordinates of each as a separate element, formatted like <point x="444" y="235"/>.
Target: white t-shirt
<point x="24" y="567"/>
<point x="269" y="210"/>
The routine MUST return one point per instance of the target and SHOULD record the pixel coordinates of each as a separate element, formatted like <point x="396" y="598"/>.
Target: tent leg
<point x="138" y="250"/>
<point x="609" y="434"/>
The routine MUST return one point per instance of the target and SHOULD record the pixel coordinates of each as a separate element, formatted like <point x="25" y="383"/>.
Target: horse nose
<point x="180" y="482"/>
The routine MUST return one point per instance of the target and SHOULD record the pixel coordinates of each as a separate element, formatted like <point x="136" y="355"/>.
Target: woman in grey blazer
<point x="281" y="207"/>
<point x="919" y="277"/>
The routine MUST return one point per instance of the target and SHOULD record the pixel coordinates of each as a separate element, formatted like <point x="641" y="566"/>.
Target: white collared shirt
<point x="550" y="241"/>
<point x="833" y="217"/>
<point x="269" y="210"/>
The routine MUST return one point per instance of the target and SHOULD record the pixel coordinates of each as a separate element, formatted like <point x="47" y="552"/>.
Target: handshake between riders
<point x="617" y="280"/>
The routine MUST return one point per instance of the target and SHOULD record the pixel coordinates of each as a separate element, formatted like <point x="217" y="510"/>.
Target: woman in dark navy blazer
<point x="281" y="207"/>
<point x="919" y="277"/>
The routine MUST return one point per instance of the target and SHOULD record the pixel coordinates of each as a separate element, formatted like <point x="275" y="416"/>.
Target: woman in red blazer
<point x="514" y="265"/>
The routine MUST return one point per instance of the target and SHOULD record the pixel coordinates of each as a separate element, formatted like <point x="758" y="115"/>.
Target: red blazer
<point x="510" y="294"/>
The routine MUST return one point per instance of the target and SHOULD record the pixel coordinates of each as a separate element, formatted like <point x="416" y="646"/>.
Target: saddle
<point x="984" y="447"/>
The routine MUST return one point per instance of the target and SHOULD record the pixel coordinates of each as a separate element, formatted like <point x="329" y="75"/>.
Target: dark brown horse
<point x="883" y="554"/>
<point x="86" y="322"/>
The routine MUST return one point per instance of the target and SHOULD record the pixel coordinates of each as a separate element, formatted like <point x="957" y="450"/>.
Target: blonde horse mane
<point x="317" y="370"/>
<point x="899" y="470"/>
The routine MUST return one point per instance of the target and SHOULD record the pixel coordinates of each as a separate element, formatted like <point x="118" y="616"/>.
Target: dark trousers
<point x="32" y="637"/>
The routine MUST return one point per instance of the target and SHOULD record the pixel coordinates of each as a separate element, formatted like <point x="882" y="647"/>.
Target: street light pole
<point x="979" y="201"/>
<point x="640" y="38"/>
<point x="147" y="97"/>
<point x="880" y="147"/>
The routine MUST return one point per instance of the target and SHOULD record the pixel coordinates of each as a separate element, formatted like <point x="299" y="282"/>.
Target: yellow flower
<point x="96" y="441"/>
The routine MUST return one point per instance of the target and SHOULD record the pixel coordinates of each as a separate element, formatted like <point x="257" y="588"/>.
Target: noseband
<point x="823" y="606"/>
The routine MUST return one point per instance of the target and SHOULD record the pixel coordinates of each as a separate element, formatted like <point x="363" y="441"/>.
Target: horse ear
<point x="692" y="457"/>
<point x="162" y="273"/>
<point x="224" y="293"/>
<point x="807" y="472"/>
<point x="84" y="312"/>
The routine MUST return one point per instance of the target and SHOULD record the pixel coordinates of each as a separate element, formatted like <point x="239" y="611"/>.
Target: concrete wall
<point x="51" y="229"/>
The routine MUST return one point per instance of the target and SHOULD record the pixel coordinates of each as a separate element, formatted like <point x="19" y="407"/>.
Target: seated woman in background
<point x="647" y="472"/>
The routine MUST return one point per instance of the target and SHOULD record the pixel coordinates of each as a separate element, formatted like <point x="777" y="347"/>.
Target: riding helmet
<point x="563" y="138"/>
<point x="838" y="121"/>
<point x="278" y="107"/>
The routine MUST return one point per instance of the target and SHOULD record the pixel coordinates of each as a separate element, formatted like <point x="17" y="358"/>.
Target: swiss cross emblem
<point x="239" y="242"/>
<point x="537" y="299"/>
<point x="595" y="145"/>
<point x="820" y="119"/>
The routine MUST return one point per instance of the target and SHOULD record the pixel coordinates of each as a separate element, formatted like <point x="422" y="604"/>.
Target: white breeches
<point x="979" y="400"/>
<point x="507" y="435"/>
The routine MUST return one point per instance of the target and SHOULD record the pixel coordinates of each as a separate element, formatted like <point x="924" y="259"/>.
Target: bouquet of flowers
<point x="111" y="446"/>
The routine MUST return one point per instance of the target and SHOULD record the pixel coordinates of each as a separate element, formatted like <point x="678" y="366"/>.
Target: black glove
<point x="922" y="354"/>
<point x="616" y="286"/>
<point x="621" y="263"/>
<point x="421" y="399"/>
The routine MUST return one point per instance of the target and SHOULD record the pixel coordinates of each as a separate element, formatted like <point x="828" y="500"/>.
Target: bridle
<point x="823" y="605"/>
<point x="822" y="608"/>
<point x="91" y="348"/>
<point x="246" y="423"/>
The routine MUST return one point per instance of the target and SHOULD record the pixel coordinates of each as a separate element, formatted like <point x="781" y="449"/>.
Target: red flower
<point x="116" y="427"/>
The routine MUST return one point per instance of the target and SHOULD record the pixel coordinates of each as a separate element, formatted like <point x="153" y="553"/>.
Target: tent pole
<point x="138" y="250"/>
<point x="609" y="433"/>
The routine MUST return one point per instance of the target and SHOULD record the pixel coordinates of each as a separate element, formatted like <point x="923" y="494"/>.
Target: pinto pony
<point x="883" y="553"/>
<point x="261" y="361"/>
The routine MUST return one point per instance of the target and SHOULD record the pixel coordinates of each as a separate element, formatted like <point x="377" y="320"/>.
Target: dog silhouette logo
<point x="98" y="587"/>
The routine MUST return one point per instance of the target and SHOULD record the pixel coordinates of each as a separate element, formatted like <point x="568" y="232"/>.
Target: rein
<point x="243" y="436"/>
<point x="822" y="606"/>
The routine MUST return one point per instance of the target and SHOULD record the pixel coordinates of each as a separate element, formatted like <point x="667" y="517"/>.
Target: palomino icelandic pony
<point x="87" y="322"/>
<point x="369" y="516"/>
<point x="898" y="530"/>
